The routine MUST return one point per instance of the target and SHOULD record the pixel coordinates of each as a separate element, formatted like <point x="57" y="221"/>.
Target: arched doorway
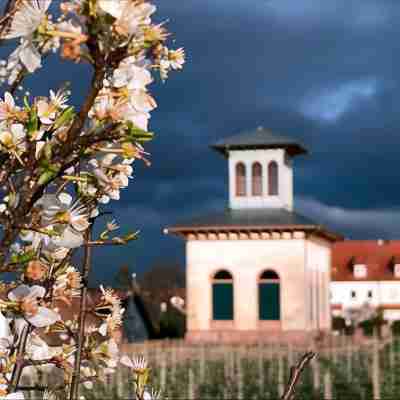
<point x="269" y="301"/>
<point x="222" y="296"/>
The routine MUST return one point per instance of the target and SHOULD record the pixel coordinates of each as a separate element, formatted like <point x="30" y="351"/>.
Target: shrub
<point x="372" y="325"/>
<point x="338" y="324"/>
<point x="395" y="328"/>
<point x="172" y="324"/>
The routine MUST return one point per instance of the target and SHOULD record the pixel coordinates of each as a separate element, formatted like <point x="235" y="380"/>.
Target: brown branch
<point x="38" y="388"/>
<point x="9" y="11"/>
<point x="105" y="243"/>
<point x="19" y="363"/>
<point x="37" y="363"/>
<point x="295" y="373"/>
<point x="74" y="386"/>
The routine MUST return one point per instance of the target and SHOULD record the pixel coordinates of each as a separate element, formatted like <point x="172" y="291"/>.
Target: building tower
<point x="257" y="270"/>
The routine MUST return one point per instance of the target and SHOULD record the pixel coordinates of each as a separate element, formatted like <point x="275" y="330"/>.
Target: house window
<point x="360" y="271"/>
<point x="393" y="294"/>
<point x="269" y="296"/>
<point x="353" y="294"/>
<point x="222" y="296"/>
<point x="256" y="181"/>
<point x="369" y="294"/>
<point x="273" y="178"/>
<point x="397" y="270"/>
<point x="240" y="179"/>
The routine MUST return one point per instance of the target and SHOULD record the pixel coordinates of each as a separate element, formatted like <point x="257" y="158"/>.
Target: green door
<point x="269" y="301"/>
<point x="223" y="301"/>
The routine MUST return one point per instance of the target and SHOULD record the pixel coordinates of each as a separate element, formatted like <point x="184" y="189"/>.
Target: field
<point x="343" y="371"/>
<point x="346" y="371"/>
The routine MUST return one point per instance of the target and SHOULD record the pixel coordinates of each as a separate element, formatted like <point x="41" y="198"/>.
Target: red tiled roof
<point x="378" y="256"/>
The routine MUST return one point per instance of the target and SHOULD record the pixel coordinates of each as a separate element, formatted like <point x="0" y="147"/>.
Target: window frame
<point x="240" y="179"/>
<point x="214" y="285"/>
<point x="261" y="282"/>
<point x="256" y="179"/>
<point x="273" y="178"/>
<point x="360" y="271"/>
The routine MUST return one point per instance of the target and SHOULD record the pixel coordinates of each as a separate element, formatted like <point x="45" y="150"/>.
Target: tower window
<point x="273" y="178"/>
<point x="256" y="181"/>
<point x="240" y="179"/>
<point x="353" y="294"/>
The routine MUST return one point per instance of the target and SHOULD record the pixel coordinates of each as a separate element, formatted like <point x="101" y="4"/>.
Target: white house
<point x="257" y="269"/>
<point x="366" y="271"/>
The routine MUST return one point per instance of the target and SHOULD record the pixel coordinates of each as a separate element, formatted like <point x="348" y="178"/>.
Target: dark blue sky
<point x="325" y="72"/>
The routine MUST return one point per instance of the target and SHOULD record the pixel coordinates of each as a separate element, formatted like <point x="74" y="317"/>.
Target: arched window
<point x="269" y="296"/>
<point x="222" y="296"/>
<point x="240" y="179"/>
<point x="273" y="178"/>
<point x="256" y="179"/>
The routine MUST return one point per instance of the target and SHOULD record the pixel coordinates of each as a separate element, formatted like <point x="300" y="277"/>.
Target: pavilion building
<point x="257" y="270"/>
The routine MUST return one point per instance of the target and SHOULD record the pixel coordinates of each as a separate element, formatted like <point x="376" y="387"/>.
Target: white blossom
<point x="129" y="15"/>
<point x="28" y="18"/>
<point x="13" y="138"/>
<point x="132" y="76"/>
<point x="137" y="364"/>
<point x="35" y="314"/>
<point x="7" y="107"/>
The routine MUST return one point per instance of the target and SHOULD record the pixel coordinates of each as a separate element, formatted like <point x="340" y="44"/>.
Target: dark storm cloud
<point x="325" y="72"/>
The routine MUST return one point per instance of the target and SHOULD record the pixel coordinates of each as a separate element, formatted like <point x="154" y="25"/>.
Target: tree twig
<point x="19" y="363"/>
<point x="295" y="373"/>
<point x="74" y="386"/>
<point x="9" y="11"/>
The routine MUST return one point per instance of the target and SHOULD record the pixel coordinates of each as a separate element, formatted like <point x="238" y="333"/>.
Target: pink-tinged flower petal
<point x="69" y="238"/>
<point x="142" y="101"/>
<point x="88" y="385"/>
<point x="36" y="291"/>
<point x="44" y="317"/>
<point x="125" y="360"/>
<point x="9" y="100"/>
<point x="19" y="293"/>
<point x="38" y="149"/>
<point x="103" y="329"/>
<point x="65" y="198"/>
<point x="46" y="120"/>
<point x="15" y="396"/>
<point x="80" y="224"/>
<point x="4" y="327"/>
<point x="108" y="159"/>
<point x="30" y="57"/>
<point x="112" y="7"/>
<point x="104" y="199"/>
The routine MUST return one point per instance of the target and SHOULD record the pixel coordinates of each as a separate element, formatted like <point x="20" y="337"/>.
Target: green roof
<point x="259" y="138"/>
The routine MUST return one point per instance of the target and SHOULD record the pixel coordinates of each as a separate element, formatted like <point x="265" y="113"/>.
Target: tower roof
<point x="259" y="138"/>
